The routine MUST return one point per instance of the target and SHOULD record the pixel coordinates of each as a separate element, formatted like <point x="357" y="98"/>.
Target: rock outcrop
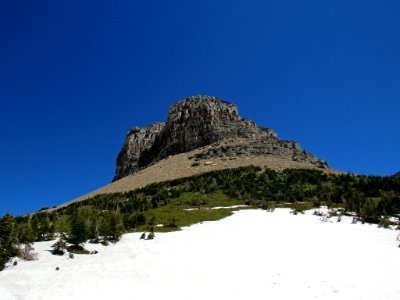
<point x="199" y="121"/>
<point x="137" y="141"/>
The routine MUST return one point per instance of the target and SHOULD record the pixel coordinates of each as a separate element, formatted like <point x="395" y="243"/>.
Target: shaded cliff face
<point x="199" y="121"/>
<point x="137" y="141"/>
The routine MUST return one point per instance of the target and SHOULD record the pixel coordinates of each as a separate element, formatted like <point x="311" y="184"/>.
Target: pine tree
<point x="79" y="223"/>
<point x="151" y="235"/>
<point x="104" y="229"/>
<point x="116" y="226"/>
<point x="112" y="226"/>
<point x="22" y="232"/>
<point x="41" y="226"/>
<point x="60" y="246"/>
<point x="7" y="249"/>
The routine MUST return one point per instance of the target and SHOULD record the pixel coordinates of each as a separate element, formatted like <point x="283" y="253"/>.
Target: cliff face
<point x="137" y="141"/>
<point x="199" y="121"/>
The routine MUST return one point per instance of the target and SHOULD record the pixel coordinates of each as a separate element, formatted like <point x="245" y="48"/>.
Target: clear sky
<point x="75" y="76"/>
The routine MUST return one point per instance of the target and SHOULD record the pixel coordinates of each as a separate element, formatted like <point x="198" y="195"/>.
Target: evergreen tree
<point x="41" y="226"/>
<point x="23" y="233"/>
<point x="80" y="226"/>
<point x="7" y="249"/>
<point x="60" y="246"/>
<point x="151" y="235"/>
<point x="117" y="226"/>
<point x="112" y="226"/>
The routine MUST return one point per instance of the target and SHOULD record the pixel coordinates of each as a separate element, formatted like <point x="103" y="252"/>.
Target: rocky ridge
<point x="201" y="121"/>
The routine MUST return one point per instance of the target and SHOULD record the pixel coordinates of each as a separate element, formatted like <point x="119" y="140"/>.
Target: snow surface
<point x="252" y="254"/>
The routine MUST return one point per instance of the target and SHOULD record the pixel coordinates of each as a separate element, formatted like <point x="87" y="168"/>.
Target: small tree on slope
<point x="60" y="246"/>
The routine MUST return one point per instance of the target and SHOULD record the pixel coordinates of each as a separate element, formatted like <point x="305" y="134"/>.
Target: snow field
<point x="253" y="254"/>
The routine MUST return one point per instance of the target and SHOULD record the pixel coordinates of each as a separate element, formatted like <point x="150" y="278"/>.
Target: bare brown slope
<point x="182" y="165"/>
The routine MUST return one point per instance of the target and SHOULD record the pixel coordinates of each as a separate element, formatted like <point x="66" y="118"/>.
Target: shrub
<point x="77" y="249"/>
<point x="316" y="202"/>
<point x="385" y="222"/>
<point x="151" y="235"/>
<point x="59" y="247"/>
<point x="198" y="202"/>
<point x="132" y="220"/>
<point x="318" y="213"/>
<point x="297" y="210"/>
<point x="152" y="221"/>
<point x="195" y="164"/>
<point x="299" y="207"/>
<point x="332" y="213"/>
<point x="171" y="222"/>
<point x="266" y="205"/>
<point x="27" y="253"/>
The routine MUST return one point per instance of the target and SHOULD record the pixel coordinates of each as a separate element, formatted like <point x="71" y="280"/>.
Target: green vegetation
<point x="77" y="249"/>
<point x="172" y="217"/>
<point x="60" y="246"/>
<point x="7" y="250"/>
<point x="185" y="201"/>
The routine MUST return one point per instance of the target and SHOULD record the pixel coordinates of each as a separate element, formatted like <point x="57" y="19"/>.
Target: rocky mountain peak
<point x="199" y="121"/>
<point x="203" y="105"/>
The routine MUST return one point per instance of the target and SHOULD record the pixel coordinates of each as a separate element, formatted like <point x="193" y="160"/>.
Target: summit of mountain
<point x="201" y="121"/>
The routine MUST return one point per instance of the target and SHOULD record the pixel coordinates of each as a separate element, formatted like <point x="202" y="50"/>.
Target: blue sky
<point x="75" y="76"/>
